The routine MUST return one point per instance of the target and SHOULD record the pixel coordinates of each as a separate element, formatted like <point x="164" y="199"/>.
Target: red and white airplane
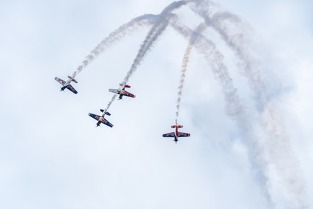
<point x="122" y="91"/>
<point x="176" y="134"/>
<point x="67" y="84"/>
<point x="101" y="118"/>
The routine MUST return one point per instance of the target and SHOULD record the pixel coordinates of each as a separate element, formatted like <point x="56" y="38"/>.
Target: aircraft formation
<point x="161" y="22"/>
<point x="121" y="92"/>
<point x="236" y="35"/>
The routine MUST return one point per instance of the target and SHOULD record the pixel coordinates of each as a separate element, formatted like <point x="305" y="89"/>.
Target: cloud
<point x="52" y="154"/>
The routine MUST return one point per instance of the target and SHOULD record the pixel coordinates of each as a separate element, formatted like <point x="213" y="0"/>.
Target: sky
<point x="53" y="156"/>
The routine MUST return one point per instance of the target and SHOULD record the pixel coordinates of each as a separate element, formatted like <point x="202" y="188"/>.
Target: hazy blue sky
<point x="51" y="154"/>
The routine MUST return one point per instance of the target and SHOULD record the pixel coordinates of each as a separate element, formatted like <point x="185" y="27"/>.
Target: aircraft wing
<point x="181" y="134"/>
<point x="128" y="94"/>
<point x="169" y="134"/>
<point x="71" y="88"/>
<point x="114" y="91"/>
<point x="96" y="117"/>
<point x="60" y="80"/>
<point x="107" y="123"/>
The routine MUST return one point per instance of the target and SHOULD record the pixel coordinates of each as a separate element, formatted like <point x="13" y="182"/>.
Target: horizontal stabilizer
<point x="177" y="126"/>
<point x="72" y="79"/>
<point x="105" y="112"/>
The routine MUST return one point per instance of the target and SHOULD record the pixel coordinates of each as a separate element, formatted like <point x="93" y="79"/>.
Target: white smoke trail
<point x="115" y="36"/>
<point x="233" y="106"/>
<point x="151" y="37"/>
<point x="157" y="29"/>
<point x="182" y="79"/>
<point x="238" y="42"/>
<point x="215" y="60"/>
<point x="111" y="101"/>
<point x="161" y="22"/>
<point x="184" y="66"/>
<point x="281" y="167"/>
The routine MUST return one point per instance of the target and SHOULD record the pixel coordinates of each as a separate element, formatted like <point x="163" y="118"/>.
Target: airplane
<point x="67" y="84"/>
<point x="176" y="134"/>
<point x="101" y="118"/>
<point x="122" y="92"/>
